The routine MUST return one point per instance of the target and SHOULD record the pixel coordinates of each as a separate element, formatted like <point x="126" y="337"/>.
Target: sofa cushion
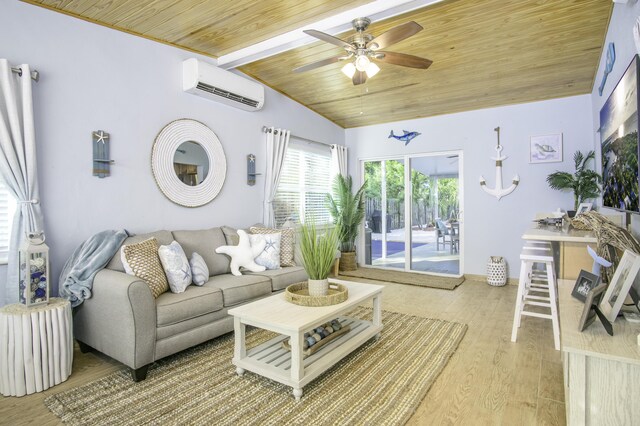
<point x="163" y="238"/>
<point x="287" y="245"/>
<point x="195" y="301"/>
<point x="239" y="289"/>
<point x="188" y="325"/>
<point x="205" y="242"/>
<point x="176" y="266"/>
<point x="231" y="235"/>
<point x="143" y="262"/>
<point x="284" y="277"/>
<point x="269" y="257"/>
<point x="199" y="269"/>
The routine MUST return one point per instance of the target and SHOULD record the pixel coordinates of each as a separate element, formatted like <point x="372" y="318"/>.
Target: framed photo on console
<point x="583" y="208"/>
<point x="584" y="284"/>
<point x="621" y="282"/>
<point x="591" y="302"/>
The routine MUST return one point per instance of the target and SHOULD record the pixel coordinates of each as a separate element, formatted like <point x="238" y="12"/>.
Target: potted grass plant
<point x="583" y="182"/>
<point x="347" y="210"/>
<point x="318" y="252"/>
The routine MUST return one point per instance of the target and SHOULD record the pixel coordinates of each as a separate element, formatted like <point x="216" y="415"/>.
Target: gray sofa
<point x="125" y="322"/>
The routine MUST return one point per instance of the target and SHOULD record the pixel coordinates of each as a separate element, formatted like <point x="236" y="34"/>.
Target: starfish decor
<point x="101" y="135"/>
<point x="270" y="244"/>
<point x="243" y="255"/>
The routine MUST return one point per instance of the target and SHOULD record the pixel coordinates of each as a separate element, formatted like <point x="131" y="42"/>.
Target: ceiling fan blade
<point x="394" y="35"/>
<point x="359" y="78"/>
<point x="318" y="64"/>
<point x="329" y="39"/>
<point x="403" y="59"/>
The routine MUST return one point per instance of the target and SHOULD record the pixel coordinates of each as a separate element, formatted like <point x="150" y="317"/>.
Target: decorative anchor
<point x="499" y="192"/>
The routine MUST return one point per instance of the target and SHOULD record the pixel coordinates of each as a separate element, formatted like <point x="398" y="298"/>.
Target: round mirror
<point x="188" y="163"/>
<point x="191" y="163"/>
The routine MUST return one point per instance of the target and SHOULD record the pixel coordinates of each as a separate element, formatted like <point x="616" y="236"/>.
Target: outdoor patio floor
<point x="426" y="258"/>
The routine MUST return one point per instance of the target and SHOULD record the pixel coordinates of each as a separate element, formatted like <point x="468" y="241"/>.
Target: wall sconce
<point x="251" y="170"/>
<point x="101" y="161"/>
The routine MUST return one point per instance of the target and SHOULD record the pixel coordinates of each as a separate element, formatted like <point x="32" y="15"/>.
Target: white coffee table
<point x="274" y="313"/>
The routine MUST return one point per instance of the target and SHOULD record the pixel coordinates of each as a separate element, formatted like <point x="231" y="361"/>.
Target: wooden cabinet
<point x="569" y="246"/>
<point x="573" y="258"/>
<point x="601" y="372"/>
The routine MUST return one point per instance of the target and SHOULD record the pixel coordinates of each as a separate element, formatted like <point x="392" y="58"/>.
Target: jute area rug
<point x="402" y="277"/>
<point x="381" y="383"/>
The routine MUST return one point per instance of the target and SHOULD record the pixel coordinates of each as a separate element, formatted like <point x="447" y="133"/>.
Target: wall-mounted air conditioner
<point x="211" y="82"/>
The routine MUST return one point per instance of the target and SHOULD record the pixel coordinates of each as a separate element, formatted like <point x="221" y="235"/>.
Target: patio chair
<point x="455" y="238"/>
<point x="442" y="232"/>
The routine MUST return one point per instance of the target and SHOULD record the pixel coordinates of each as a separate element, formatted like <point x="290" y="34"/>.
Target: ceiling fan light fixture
<point x="362" y="62"/>
<point x="349" y="70"/>
<point x="364" y="48"/>
<point x="372" y="69"/>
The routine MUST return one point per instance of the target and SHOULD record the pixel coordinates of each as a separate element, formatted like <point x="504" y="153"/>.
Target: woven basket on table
<point x="299" y="294"/>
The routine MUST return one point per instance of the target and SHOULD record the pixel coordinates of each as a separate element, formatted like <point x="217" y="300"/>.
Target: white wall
<point x="620" y="33"/>
<point x="492" y="227"/>
<point x="95" y="78"/>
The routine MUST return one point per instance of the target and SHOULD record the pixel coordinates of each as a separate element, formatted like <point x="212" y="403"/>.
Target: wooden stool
<point x="538" y="245"/>
<point x="36" y="347"/>
<point x="537" y="288"/>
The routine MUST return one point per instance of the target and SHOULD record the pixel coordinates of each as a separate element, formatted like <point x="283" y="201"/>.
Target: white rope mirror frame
<point x="164" y="149"/>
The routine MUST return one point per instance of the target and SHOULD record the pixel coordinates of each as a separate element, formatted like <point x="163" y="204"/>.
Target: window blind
<point x="7" y="210"/>
<point x="304" y="183"/>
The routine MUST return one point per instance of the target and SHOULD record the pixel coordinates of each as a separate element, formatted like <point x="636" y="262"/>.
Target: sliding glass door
<point x="413" y="213"/>
<point x="385" y="210"/>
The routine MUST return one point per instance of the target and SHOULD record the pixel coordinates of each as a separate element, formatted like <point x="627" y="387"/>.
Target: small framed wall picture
<point x="620" y="284"/>
<point x="591" y="302"/>
<point x="583" y="208"/>
<point x="584" y="284"/>
<point x="545" y="149"/>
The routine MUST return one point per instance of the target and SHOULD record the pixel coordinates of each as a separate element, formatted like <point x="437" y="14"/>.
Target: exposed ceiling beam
<point x="376" y="11"/>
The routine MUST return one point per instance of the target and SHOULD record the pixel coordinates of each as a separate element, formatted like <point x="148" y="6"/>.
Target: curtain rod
<point x="35" y="75"/>
<point x="266" y="129"/>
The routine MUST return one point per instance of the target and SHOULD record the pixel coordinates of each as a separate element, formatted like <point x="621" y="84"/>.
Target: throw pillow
<point x="269" y="257"/>
<point x="287" y="243"/>
<point x="176" y="266"/>
<point x="243" y="254"/>
<point x="199" y="270"/>
<point x="142" y="260"/>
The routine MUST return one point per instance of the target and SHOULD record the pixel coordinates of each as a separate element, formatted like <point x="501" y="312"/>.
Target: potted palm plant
<point x="583" y="182"/>
<point x="318" y="254"/>
<point x="347" y="211"/>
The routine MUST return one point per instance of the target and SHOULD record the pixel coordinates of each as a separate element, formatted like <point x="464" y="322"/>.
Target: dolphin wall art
<point x="406" y="138"/>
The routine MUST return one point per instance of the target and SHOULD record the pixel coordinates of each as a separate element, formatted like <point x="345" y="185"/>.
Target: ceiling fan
<point x="364" y="47"/>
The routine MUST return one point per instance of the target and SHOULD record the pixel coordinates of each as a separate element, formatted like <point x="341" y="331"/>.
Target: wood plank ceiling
<point x="486" y="53"/>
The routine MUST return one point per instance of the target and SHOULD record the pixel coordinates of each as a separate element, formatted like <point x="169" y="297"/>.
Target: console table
<point x="601" y="372"/>
<point x="570" y="247"/>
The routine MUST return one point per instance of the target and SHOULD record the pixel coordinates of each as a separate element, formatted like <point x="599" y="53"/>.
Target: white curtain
<point x="338" y="160"/>
<point x="277" y="142"/>
<point x="18" y="164"/>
